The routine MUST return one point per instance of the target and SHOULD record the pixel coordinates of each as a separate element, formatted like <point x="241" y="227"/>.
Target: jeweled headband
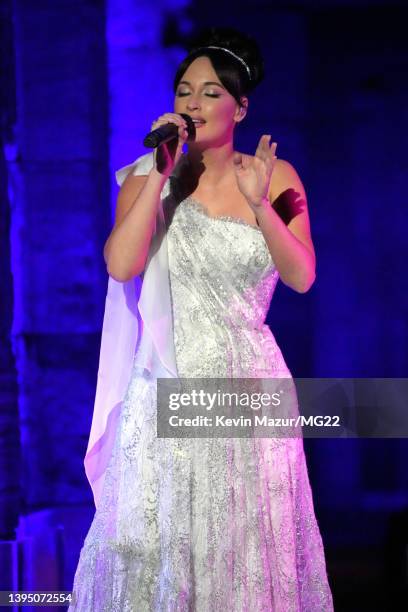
<point x="228" y="51"/>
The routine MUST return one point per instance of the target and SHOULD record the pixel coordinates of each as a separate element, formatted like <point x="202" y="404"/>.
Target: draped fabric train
<point x="137" y="327"/>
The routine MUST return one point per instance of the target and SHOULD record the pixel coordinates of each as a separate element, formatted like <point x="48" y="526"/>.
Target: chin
<point x="208" y="141"/>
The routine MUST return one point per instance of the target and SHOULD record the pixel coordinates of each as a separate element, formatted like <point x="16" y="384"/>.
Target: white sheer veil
<point x="137" y="329"/>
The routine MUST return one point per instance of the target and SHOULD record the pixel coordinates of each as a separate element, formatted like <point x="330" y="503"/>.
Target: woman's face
<point x="201" y="94"/>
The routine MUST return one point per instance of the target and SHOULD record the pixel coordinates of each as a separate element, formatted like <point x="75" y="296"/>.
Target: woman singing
<point x="200" y="523"/>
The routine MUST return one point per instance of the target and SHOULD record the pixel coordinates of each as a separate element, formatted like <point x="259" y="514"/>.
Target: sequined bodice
<point x="222" y="280"/>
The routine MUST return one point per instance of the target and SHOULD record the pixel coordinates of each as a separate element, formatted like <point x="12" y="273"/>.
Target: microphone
<point x="169" y="131"/>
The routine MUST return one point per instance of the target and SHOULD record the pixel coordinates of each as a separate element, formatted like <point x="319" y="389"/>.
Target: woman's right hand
<point x="167" y="154"/>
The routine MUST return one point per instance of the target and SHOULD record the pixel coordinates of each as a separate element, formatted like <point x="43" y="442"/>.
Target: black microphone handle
<point x="167" y="132"/>
<point x="161" y="135"/>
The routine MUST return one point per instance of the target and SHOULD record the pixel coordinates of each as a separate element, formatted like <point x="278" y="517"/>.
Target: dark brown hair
<point x="231" y="72"/>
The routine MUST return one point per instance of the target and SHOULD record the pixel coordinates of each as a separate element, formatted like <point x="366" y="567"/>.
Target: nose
<point x="193" y="103"/>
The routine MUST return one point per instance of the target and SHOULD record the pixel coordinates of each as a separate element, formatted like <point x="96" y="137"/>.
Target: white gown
<point x="206" y="524"/>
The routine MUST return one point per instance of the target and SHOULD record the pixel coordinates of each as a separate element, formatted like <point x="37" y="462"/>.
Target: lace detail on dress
<point x="201" y="524"/>
<point x="228" y="218"/>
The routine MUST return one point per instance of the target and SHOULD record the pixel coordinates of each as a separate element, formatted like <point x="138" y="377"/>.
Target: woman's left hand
<point x="254" y="174"/>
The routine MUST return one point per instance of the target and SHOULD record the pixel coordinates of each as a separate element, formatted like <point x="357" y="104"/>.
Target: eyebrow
<point x="206" y="83"/>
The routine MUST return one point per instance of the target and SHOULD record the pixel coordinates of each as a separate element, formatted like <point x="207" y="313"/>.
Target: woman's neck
<point x="211" y="165"/>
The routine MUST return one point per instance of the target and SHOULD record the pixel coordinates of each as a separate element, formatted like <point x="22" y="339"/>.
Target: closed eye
<point x="181" y="95"/>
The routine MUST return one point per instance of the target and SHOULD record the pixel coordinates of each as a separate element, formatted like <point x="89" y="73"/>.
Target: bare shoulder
<point x="284" y="177"/>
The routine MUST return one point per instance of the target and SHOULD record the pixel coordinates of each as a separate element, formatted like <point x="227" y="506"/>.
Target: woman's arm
<point x="125" y="251"/>
<point x="284" y="221"/>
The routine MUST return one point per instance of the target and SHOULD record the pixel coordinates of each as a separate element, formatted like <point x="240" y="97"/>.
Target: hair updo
<point x="230" y="70"/>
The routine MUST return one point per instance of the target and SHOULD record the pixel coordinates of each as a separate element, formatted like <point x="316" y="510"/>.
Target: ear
<point x="241" y="110"/>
